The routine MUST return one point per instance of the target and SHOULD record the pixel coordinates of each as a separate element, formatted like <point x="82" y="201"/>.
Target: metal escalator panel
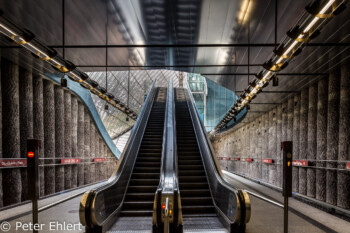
<point x="146" y="173"/>
<point x="196" y="198"/>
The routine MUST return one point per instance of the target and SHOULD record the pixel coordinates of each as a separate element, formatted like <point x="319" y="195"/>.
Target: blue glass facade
<point x="212" y="100"/>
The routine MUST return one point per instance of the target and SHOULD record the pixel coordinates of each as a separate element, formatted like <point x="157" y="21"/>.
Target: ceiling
<point x="153" y="25"/>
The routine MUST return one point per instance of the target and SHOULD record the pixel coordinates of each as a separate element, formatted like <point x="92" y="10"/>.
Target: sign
<point x="13" y="162"/>
<point x="300" y="163"/>
<point x="237" y="159"/>
<point x="348" y="165"/>
<point x="67" y="161"/>
<point x="99" y="159"/>
<point x="267" y="161"/>
<point x="249" y="160"/>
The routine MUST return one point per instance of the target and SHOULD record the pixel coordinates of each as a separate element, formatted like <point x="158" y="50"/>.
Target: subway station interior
<point x="161" y="116"/>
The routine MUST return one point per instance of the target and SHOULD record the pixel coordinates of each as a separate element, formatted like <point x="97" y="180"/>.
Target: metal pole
<point x="285" y="215"/>
<point x="35" y="214"/>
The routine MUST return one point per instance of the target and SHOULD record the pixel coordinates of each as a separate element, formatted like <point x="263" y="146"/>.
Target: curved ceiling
<point x="145" y="34"/>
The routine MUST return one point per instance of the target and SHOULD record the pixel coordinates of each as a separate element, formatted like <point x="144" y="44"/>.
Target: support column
<point x="75" y="153"/>
<point x="12" y="184"/>
<point x="81" y="145"/>
<point x="67" y="138"/>
<point x="343" y="187"/>
<point x="332" y="135"/>
<point x="93" y="155"/>
<point x="296" y="143"/>
<point x="59" y="137"/>
<point x="87" y="173"/>
<point x="278" y="141"/>
<point x="322" y="104"/>
<point x="26" y="120"/>
<point x="304" y="101"/>
<point x="49" y="135"/>
<point x="38" y="125"/>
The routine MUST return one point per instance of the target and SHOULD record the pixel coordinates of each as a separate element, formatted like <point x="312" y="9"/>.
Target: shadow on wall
<point x="73" y="152"/>
<point x="317" y="121"/>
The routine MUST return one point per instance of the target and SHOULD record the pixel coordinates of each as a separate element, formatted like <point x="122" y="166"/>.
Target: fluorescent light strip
<point x="7" y="29"/>
<point x="41" y="52"/>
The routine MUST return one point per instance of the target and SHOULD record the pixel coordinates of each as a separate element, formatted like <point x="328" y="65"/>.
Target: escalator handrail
<point x="168" y="166"/>
<point x="206" y="150"/>
<point x="168" y="184"/>
<point x="88" y="215"/>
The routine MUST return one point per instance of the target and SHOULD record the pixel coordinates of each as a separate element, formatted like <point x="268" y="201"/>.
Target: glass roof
<point x="130" y="87"/>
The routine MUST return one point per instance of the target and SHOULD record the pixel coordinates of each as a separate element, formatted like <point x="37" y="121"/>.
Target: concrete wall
<point x="32" y="106"/>
<point x="317" y="121"/>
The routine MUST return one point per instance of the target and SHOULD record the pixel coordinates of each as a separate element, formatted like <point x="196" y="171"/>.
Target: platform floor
<point x="63" y="217"/>
<point x="268" y="218"/>
<point x="265" y="217"/>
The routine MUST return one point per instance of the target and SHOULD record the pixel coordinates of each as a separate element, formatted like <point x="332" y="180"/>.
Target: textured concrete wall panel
<point x="92" y="151"/>
<point x="343" y="187"/>
<point x="332" y="135"/>
<point x="59" y="137"/>
<point x="75" y="153"/>
<point x="296" y="143"/>
<point x="67" y="138"/>
<point x="26" y="120"/>
<point x="278" y="141"/>
<point x="312" y="140"/>
<point x="81" y="145"/>
<point x="11" y="141"/>
<point x="38" y="124"/>
<point x="87" y="171"/>
<point x="322" y="103"/>
<point x="272" y="146"/>
<point x="304" y="102"/>
<point x="49" y="135"/>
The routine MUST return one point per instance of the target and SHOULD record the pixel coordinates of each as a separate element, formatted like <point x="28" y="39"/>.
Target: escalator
<point x="208" y="202"/>
<point x="195" y="194"/>
<point x="125" y="201"/>
<point x="145" y="177"/>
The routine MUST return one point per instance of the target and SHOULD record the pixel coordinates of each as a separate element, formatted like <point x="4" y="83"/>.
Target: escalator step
<point x="136" y="213"/>
<point x="203" y="185"/>
<point x="143" y="182"/>
<point x="200" y="209"/>
<point x="188" y="201"/>
<point x="138" y="205"/>
<point x="142" y="189"/>
<point x="195" y="193"/>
